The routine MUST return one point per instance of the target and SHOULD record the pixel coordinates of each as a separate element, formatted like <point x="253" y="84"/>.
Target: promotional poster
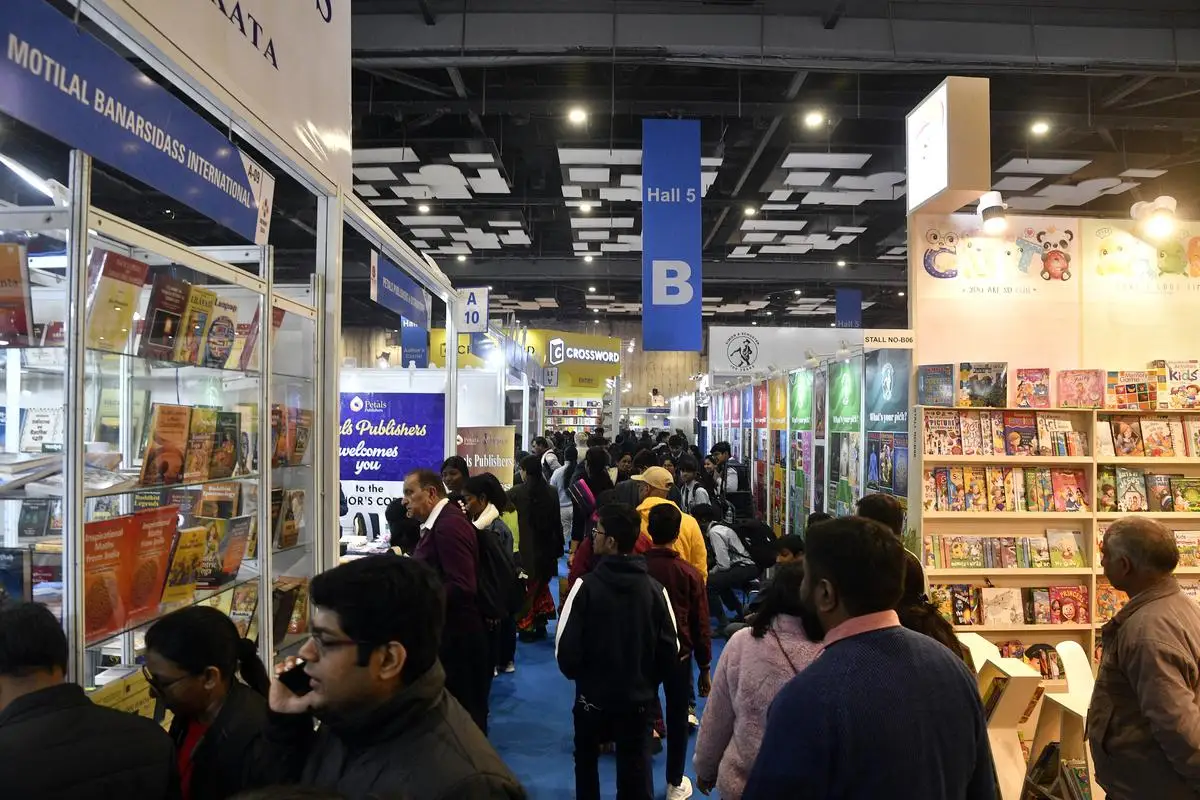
<point x="887" y="380"/>
<point x="490" y="449"/>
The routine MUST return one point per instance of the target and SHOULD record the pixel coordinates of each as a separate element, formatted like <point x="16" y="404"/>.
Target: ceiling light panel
<point x="383" y="155"/>
<point x="803" y="161"/>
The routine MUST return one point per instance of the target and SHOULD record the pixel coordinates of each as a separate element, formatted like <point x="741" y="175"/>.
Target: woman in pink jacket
<point x="753" y="667"/>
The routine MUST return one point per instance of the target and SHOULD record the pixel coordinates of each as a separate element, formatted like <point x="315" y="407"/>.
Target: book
<point x="16" y="574"/>
<point x="189" y="344"/>
<point x="1032" y="388"/>
<point x="243" y="605"/>
<point x="185" y="500"/>
<point x="16" y="313"/>
<point x="1127" y="437"/>
<point x="220" y="334"/>
<point x="1106" y="488"/>
<point x="1104" y="437"/>
<point x="1070" y="489"/>
<point x="1131" y="491"/>
<point x="1044" y="658"/>
<point x="942" y="434"/>
<point x="996" y="499"/>
<point x="105" y="581"/>
<point x="997" y="420"/>
<point x="965" y="552"/>
<point x="1001" y="606"/>
<point x="1191" y="428"/>
<point x="301" y="430"/>
<point x="935" y="384"/>
<point x="116" y="287"/>
<point x="965" y="604"/>
<point x="291" y="519"/>
<point x="219" y="500"/>
<point x="955" y="490"/>
<point x="1068" y="604"/>
<point x="1020" y="433"/>
<point x="247" y="438"/>
<point x="974" y="488"/>
<point x="971" y="432"/>
<point x="152" y="534"/>
<point x="1156" y="437"/>
<point x="236" y="352"/>
<point x="284" y="594"/>
<point x="1177" y="383"/>
<point x="164" y="316"/>
<point x="166" y="444"/>
<point x="250" y="354"/>
<point x="186" y="553"/>
<point x="281" y="436"/>
<point x="1039" y="552"/>
<point x="298" y="622"/>
<point x="1187" y="494"/>
<point x="941" y="478"/>
<point x="1158" y="492"/>
<point x="223" y="460"/>
<point x="1008" y="552"/>
<point x="1188" y="544"/>
<point x="1066" y="548"/>
<point x="939" y="597"/>
<point x="225" y="546"/>
<point x="200" y="444"/>
<point x="1130" y="389"/>
<point x="929" y="491"/>
<point x="34" y="520"/>
<point x="1080" y="388"/>
<point x="1178" y="435"/>
<point x="983" y="384"/>
<point x="40" y="428"/>
<point x="1109" y="600"/>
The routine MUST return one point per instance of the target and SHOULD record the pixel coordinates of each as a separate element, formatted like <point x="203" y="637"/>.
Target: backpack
<point x="582" y="499"/>
<point x="499" y="584"/>
<point x="759" y="540"/>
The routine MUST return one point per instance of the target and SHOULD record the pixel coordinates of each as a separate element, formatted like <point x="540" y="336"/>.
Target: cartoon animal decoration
<point x="940" y="244"/>
<point x="1115" y="258"/>
<point x="1193" y="254"/>
<point x="973" y="257"/>
<point x="1056" y="263"/>
<point x="1028" y="251"/>
<point x="1172" y="258"/>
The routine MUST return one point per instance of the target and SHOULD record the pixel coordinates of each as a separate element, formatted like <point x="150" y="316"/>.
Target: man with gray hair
<point x="1144" y="721"/>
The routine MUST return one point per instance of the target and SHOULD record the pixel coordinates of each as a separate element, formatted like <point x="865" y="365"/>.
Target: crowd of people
<point x="838" y="679"/>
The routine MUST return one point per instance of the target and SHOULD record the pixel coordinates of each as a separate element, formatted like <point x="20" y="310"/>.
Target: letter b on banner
<point x="671" y="235"/>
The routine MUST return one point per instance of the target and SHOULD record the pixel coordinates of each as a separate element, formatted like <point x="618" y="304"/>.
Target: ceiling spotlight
<point x="596" y="321"/>
<point x="810" y="359"/>
<point x="796" y="292"/>
<point x="992" y="212"/>
<point x="900" y="294"/>
<point x="1156" y="216"/>
<point x="462" y="258"/>
<point x="490" y="288"/>
<point x="841" y="263"/>
<point x="424" y="209"/>
<point x="591" y="288"/>
<point x="586" y="208"/>
<point x="749" y="211"/>
<point x="1039" y="127"/>
<point x="814" y="119"/>
<point x="587" y="259"/>
<point x="753" y="322"/>
<point x="769" y="313"/>
<point x="832" y="324"/>
<point x="577" y="116"/>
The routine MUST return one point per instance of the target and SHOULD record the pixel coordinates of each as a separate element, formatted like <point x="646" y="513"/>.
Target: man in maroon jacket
<point x="689" y="602"/>
<point x="450" y="545"/>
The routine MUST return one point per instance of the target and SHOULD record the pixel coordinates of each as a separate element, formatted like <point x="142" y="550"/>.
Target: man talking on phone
<point x="370" y="674"/>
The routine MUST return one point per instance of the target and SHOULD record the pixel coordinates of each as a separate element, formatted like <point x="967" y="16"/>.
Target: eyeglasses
<point x="325" y="645"/>
<point x="157" y="684"/>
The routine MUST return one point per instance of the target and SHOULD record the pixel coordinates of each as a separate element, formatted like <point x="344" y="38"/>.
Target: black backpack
<point x="760" y="542"/>
<point x="500" y="592"/>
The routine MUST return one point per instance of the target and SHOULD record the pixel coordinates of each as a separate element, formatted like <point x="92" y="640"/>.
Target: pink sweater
<point x="750" y="672"/>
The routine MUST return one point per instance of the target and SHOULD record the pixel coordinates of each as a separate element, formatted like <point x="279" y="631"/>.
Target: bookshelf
<point x="196" y="443"/>
<point x="572" y="412"/>
<point x="970" y="533"/>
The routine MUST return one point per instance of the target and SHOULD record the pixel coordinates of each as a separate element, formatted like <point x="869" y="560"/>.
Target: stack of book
<point x="994" y="488"/>
<point x="1124" y="489"/>
<point x="1058" y="549"/>
<point x="1148" y="436"/>
<point x="1001" y="433"/>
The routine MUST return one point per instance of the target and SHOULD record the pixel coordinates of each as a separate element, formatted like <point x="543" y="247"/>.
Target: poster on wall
<point x="886" y="379"/>
<point x="383" y="436"/>
<point x="845" y="437"/>
<point x="969" y="287"/>
<point x="818" y="481"/>
<point x="800" y="421"/>
<point x="490" y="449"/>
<point x="820" y="394"/>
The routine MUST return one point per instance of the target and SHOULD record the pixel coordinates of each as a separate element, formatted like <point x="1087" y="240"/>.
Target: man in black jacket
<point x="617" y="640"/>
<point x="57" y="744"/>
<point x="389" y="728"/>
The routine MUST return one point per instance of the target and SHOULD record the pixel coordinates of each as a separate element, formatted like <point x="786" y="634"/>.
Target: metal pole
<point x="329" y="329"/>
<point x="73" y="414"/>
<point x="266" y="541"/>
<point x="451" y="445"/>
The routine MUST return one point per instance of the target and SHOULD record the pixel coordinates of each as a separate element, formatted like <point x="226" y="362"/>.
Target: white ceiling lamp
<point x="1157" y="216"/>
<point x="1040" y="127"/>
<point x="841" y="263"/>
<point x="749" y="211"/>
<point x="577" y="116"/>
<point x="993" y="212"/>
<point x="591" y="288"/>
<point x="814" y="119"/>
<point x="424" y="209"/>
<point x="587" y="259"/>
<point x="462" y="258"/>
<point x="50" y="188"/>
<point x="796" y="292"/>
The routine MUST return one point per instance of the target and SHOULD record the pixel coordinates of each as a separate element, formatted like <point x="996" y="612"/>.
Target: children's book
<point x="1177" y="382"/>
<point x="1056" y="435"/>
<point x="1131" y="491"/>
<point x="200" y="444"/>
<point x="1127" y="437"/>
<point x="983" y="384"/>
<point x="1080" y="388"/>
<point x="166" y="446"/>
<point x="985" y="426"/>
<point x="1178" y="435"/>
<point x="943" y="434"/>
<point x="116" y="286"/>
<point x="1001" y="606"/>
<point x="935" y="384"/>
<point x="996" y="498"/>
<point x="186" y="554"/>
<point x="1104" y="437"/>
<point x="1008" y="552"/>
<point x="1066" y="548"/>
<point x="929" y="494"/>
<point x="164" y="315"/>
<point x="1191" y="429"/>
<point x="941" y="478"/>
<point x="16" y="314"/>
<point x="1069" y="604"/>
<point x="997" y="432"/>
<point x="1188" y="543"/>
<point x="1032" y="388"/>
<point x="940" y="597"/>
<point x="1020" y="433"/>
<point x="965" y="604"/>
<point x="1158" y="492"/>
<point x="974" y="488"/>
<point x="1106" y="488"/>
<point x="972" y="433"/>
<point x="1156" y="437"/>
<point x="1187" y="494"/>
<point x="1039" y="552"/>
<point x="956" y="490"/>
<point x="1070" y="489"/>
<point x="189" y="344"/>
<point x="1109" y="600"/>
<point x="1130" y="389"/>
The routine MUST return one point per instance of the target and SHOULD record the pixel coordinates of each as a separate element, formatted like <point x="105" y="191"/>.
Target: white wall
<point x="781" y="348"/>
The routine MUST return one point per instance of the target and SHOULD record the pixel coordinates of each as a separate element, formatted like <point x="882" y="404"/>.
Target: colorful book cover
<point x="943" y="433"/>
<point x="1008" y="552"/>
<point x="34" y="519"/>
<point x="997" y="432"/>
<point x="1033" y="497"/>
<point x="248" y="438"/>
<point x="996" y="498"/>
<point x="105" y="581"/>
<point x="1066" y="548"/>
<point x="1188" y="543"/>
<point x="1156" y="437"/>
<point x="164" y="315"/>
<point x="219" y="500"/>
<point x="1014" y="489"/>
<point x="1158" y="492"/>
<point x="985" y="425"/>
<point x="1109" y="600"/>
<point x="972" y="433"/>
<point x="1080" y="388"/>
<point x="223" y="459"/>
<point x="1069" y="605"/>
<point x="1001" y="606"/>
<point x="281" y="445"/>
<point x="300" y="424"/>
<point x="167" y="444"/>
<point x="965" y="551"/>
<point x="221" y="333"/>
<point x="1020" y="433"/>
<point x="1070" y="489"/>
<point x="1106" y="493"/>
<point x="1105" y="447"/>
<point x="935" y="384"/>
<point x="1032" y="388"/>
<point x="1131" y="491"/>
<point x="241" y="333"/>
<point x="243" y="606"/>
<point x="1040" y="601"/>
<point x="1127" y="437"/>
<point x="16" y="575"/>
<point x="940" y="598"/>
<point x="1177" y="383"/>
<point x="1178" y="437"/>
<point x="956" y="490"/>
<point x="1187" y="494"/>
<point x="1130" y="389"/>
<point x="189" y="345"/>
<point x="1045" y="489"/>
<point x="291" y="519"/>
<point x="983" y="384"/>
<point x="186" y="555"/>
<point x="941" y="480"/>
<point x="200" y="444"/>
<point x="16" y="313"/>
<point x="117" y="288"/>
<point x="298" y="622"/>
<point x="1191" y="427"/>
<point x="965" y="603"/>
<point x="152" y="534"/>
<point x="225" y="546"/>
<point x="1056" y="435"/>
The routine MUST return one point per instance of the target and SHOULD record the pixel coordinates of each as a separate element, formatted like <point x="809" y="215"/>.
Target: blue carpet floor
<point x="530" y="726"/>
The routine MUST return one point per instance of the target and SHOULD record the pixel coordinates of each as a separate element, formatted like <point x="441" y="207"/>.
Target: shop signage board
<point x="949" y="146"/>
<point x="383" y="436"/>
<point x="889" y="339"/>
<point x="60" y="80"/>
<point x="671" y="235"/>
<point x="848" y="308"/>
<point x="490" y="449"/>
<point x="473" y="309"/>
<point x="394" y="290"/>
<point x="414" y="344"/>
<point x="746" y="350"/>
<point x="283" y="65"/>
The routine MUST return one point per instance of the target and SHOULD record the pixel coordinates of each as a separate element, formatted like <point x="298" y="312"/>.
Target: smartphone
<point x="296" y="679"/>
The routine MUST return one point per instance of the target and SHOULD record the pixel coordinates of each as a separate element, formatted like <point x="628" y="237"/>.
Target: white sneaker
<point x="693" y="720"/>
<point x="680" y="792"/>
<point x="510" y="668"/>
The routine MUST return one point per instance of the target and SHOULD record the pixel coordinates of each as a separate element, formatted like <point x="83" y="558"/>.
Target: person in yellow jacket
<point x="655" y="483"/>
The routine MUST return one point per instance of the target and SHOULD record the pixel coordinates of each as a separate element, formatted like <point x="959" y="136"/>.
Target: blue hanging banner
<point x="57" y="78"/>
<point x="395" y="291"/>
<point x="671" y="235"/>
<point x="847" y="305"/>
<point x="414" y="344"/>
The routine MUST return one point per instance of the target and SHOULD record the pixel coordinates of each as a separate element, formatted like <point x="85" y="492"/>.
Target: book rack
<point x="1063" y="715"/>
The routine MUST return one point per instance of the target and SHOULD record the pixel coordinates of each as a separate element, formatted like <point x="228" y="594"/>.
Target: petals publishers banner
<point x="384" y="436"/>
<point x="490" y="449"/>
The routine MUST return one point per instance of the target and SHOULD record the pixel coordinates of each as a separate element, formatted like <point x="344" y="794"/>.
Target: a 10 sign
<point x="473" y="310"/>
